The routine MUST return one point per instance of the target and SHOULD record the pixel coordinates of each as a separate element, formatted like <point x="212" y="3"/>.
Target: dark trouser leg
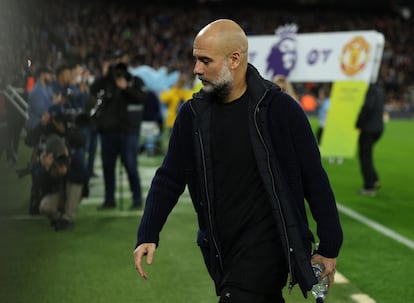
<point x="231" y="294"/>
<point x="366" y="146"/>
<point x="92" y="146"/>
<point x="319" y="132"/>
<point x="110" y="149"/>
<point x="129" y="154"/>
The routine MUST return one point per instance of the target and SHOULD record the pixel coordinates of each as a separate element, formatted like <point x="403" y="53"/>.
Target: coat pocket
<point x="204" y="245"/>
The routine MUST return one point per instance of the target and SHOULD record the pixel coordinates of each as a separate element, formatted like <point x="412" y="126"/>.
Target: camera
<point x="69" y="116"/>
<point x="62" y="160"/>
<point x="59" y="166"/>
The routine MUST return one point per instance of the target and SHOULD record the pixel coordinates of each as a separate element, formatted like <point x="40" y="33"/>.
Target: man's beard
<point x="221" y="91"/>
<point x="221" y="88"/>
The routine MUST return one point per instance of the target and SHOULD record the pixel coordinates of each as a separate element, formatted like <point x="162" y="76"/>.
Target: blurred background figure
<point x="60" y="199"/>
<point x="152" y="126"/>
<point x="172" y="98"/>
<point x="40" y="97"/>
<point x="78" y="102"/>
<point x="285" y="85"/>
<point x="370" y="123"/>
<point x="324" y="101"/>
<point x="82" y="78"/>
<point x="58" y="176"/>
<point x="118" y="119"/>
<point x="61" y="85"/>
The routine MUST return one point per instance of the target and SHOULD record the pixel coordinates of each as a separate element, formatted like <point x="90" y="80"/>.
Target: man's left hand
<point x="329" y="264"/>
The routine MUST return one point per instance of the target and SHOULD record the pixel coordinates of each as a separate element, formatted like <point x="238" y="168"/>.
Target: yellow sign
<point x="340" y="135"/>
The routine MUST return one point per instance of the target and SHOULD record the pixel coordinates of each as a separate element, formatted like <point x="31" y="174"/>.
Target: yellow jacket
<point x="173" y="97"/>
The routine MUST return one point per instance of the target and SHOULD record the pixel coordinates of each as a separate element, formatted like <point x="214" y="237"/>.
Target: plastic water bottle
<point x="320" y="289"/>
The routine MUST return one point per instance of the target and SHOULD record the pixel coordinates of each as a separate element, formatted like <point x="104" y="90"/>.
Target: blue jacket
<point x="39" y="100"/>
<point x="289" y="162"/>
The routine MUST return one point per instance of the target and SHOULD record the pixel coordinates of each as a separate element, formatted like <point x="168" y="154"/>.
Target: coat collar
<point x="257" y="87"/>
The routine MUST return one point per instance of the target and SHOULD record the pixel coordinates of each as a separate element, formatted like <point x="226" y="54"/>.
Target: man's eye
<point x="205" y="61"/>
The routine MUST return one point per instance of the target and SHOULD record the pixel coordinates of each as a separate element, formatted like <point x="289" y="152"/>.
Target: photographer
<point x="59" y="173"/>
<point x="118" y="118"/>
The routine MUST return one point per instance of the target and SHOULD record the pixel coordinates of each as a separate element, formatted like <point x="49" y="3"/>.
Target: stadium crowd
<point x="54" y="32"/>
<point x="87" y="37"/>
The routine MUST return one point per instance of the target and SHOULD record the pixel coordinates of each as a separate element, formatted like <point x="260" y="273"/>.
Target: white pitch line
<point x="340" y="278"/>
<point x="376" y="226"/>
<point x="362" y="298"/>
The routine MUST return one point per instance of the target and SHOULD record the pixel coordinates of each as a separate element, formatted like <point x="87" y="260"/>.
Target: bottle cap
<point x="320" y="300"/>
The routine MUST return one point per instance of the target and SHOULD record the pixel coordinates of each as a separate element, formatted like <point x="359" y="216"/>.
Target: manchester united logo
<point x="354" y="56"/>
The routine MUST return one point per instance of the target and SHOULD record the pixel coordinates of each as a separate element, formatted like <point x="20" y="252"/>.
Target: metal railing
<point x="13" y="95"/>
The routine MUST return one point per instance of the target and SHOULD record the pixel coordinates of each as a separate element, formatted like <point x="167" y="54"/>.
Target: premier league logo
<point x="283" y="55"/>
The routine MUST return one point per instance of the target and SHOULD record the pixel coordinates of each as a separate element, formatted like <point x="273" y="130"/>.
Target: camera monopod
<point x="121" y="185"/>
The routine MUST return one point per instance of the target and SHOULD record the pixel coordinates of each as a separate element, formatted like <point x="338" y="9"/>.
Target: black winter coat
<point x="288" y="160"/>
<point x="371" y="115"/>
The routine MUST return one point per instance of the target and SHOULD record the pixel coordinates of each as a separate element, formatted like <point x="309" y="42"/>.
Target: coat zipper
<point x="290" y="250"/>
<point x="210" y="219"/>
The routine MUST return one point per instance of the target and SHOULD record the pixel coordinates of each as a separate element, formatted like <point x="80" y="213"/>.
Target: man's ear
<point x="234" y="60"/>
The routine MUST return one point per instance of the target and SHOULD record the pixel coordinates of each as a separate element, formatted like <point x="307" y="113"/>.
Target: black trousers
<point x="366" y="144"/>
<point x="232" y="294"/>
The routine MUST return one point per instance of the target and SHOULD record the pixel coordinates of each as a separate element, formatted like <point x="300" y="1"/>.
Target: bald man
<point x="248" y="155"/>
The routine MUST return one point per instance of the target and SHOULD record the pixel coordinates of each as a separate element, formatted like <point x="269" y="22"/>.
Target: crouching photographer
<point x="59" y="171"/>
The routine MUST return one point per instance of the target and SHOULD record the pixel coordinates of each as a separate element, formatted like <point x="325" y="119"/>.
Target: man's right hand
<point x="145" y="249"/>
